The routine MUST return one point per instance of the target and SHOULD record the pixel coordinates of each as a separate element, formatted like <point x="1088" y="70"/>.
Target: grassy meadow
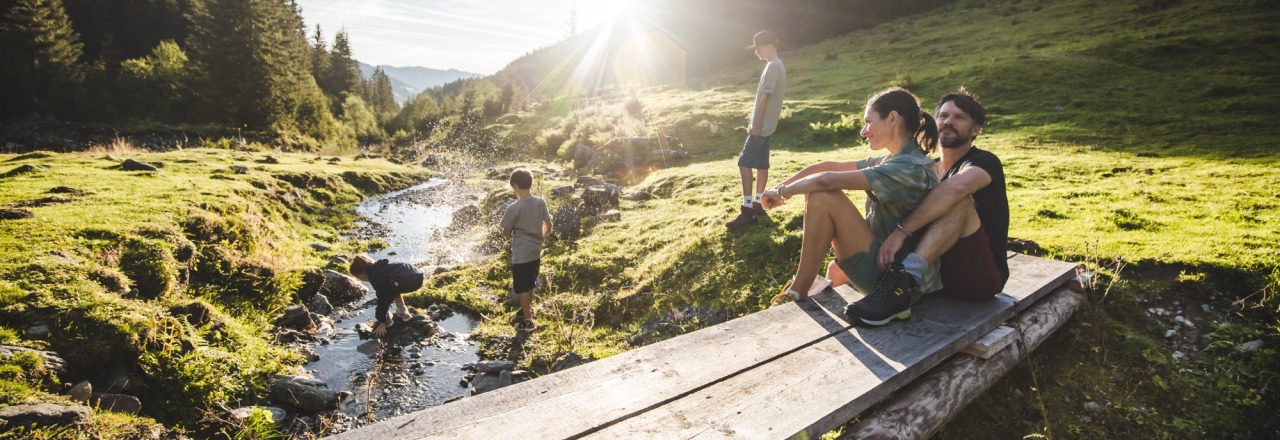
<point x="1134" y="139"/>
<point x="168" y="277"/>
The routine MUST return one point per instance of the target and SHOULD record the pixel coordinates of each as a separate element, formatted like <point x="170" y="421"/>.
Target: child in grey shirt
<point x="526" y="222"/>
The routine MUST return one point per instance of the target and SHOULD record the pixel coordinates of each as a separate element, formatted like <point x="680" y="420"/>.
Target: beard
<point x="955" y="140"/>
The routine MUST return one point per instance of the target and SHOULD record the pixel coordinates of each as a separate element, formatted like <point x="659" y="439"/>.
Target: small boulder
<point x="611" y="215"/>
<point x="296" y="317"/>
<point x="600" y="198"/>
<point x="485" y="383"/>
<point x="364" y="331"/>
<point x="81" y="391"/>
<point x="37" y="331"/>
<point x="116" y="402"/>
<point x="560" y="192"/>
<point x="320" y="304"/>
<point x="489" y="366"/>
<point x="44" y="414"/>
<point x="321" y="247"/>
<point x="304" y="393"/>
<point x="240" y="169"/>
<point x="133" y="165"/>
<point x="341" y="288"/>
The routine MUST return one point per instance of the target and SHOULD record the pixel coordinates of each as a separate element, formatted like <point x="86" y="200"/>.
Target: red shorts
<point x="969" y="269"/>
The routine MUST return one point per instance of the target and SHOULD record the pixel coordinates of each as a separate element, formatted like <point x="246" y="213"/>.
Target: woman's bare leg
<point x="830" y="222"/>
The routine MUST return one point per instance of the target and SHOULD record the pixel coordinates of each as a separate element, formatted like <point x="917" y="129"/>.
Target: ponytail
<point x="927" y="134"/>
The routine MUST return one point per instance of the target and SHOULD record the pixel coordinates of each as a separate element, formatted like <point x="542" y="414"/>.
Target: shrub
<point x="151" y="266"/>
<point x="834" y="131"/>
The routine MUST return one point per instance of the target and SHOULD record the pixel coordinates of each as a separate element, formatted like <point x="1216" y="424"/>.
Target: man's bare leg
<point x="831" y="221"/>
<point x="961" y="221"/>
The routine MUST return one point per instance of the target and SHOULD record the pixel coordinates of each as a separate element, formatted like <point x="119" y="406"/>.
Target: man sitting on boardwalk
<point x="963" y="222"/>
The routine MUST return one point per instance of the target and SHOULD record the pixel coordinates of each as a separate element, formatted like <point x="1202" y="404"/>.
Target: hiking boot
<point x="758" y="208"/>
<point x="889" y="300"/>
<point x="745" y="217"/>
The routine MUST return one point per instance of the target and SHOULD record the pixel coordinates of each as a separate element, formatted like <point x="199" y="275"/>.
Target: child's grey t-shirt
<point x="524" y="218"/>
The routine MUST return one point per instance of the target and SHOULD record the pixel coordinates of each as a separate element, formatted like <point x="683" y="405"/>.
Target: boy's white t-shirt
<point x="524" y="218"/>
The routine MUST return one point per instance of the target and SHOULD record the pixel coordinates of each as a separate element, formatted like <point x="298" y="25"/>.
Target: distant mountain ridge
<point x="407" y="82"/>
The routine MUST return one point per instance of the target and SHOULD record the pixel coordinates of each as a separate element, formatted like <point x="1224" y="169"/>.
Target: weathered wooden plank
<point x="1033" y="277"/>
<point x="991" y="343"/>
<point x="922" y="408"/>
<point x="823" y="385"/>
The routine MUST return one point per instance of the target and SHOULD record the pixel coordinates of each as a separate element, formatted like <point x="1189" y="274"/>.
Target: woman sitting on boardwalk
<point x="895" y="184"/>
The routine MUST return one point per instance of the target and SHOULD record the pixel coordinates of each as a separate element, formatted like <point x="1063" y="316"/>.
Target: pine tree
<point x="255" y="67"/>
<point x="379" y="94"/>
<point x="41" y="57"/>
<point x="319" y="56"/>
<point x="343" y="74"/>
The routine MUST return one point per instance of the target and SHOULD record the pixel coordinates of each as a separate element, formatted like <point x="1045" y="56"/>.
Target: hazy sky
<point x="478" y="36"/>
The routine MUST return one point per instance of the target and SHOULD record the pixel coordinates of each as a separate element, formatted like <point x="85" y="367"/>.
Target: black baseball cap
<point x="762" y="38"/>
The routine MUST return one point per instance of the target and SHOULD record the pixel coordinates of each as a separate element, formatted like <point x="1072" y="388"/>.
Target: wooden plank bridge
<point x="795" y="370"/>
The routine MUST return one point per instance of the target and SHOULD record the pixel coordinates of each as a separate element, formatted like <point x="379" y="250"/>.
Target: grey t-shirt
<point x="773" y="81"/>
<point x="524" y="218"/>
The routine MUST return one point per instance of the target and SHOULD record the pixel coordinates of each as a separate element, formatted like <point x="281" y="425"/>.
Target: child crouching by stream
<point x="390" y="282"/>
<point x="526" y="222"/>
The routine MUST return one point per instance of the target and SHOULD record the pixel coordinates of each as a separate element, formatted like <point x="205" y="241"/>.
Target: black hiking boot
<point x="746" y="217"/>
<point x="758" y="209"/>
<point x="889" y="300"/>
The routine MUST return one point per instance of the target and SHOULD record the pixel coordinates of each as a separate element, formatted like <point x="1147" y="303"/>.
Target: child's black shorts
<point x="524" y="276"/>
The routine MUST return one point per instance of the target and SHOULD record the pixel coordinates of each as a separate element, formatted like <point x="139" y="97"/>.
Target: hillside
<point x="1135" y="142"/>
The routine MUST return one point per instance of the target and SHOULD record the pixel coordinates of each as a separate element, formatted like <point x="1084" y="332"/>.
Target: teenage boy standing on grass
<point x="764" y="120"/>
<point x="526" y="222"/>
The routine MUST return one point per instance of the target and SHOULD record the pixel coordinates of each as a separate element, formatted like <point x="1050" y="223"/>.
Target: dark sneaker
<point x="758" y="208"/>
<point x="889" y="300"/>
<point x="746" y="217"/>
<point x="527" y="327"/>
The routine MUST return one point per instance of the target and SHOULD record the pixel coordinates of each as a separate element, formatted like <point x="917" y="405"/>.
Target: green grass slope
<point x="1135" y="139"/>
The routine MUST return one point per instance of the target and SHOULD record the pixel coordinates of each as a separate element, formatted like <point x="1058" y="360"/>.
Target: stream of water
<point x="415" y="222"/>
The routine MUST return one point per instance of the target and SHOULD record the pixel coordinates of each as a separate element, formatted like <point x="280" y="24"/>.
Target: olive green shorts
<point x="861" y="270"/>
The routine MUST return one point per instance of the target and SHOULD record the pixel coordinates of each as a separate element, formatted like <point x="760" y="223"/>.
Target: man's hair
<point x="521" y="179"/>
<point x="967" y="102"/>
<point x="360" y="265"/>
